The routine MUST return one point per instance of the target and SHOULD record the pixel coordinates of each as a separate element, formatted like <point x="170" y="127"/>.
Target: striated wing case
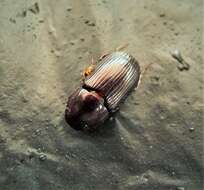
<point x="116" y="75"/>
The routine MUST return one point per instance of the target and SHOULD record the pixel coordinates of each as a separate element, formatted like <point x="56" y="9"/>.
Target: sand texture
<point x="155" y="141"/>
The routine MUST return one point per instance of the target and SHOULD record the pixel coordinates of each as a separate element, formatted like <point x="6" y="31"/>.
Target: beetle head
<point x="85" y="110"/>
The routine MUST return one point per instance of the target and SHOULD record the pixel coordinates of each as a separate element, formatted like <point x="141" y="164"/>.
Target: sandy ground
<point x="154" y="143"/>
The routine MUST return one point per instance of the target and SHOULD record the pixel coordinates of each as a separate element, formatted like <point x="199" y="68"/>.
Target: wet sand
<point x="155" y="141"/>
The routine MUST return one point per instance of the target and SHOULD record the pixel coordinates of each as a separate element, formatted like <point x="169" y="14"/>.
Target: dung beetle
<point x="102" y="90"/>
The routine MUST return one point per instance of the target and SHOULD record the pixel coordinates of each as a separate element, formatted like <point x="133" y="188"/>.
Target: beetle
<point x="103" y="88"/>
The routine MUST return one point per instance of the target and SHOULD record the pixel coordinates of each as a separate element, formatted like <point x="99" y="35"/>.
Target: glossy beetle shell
<point x="116" y="75"/>
<point x="102" y="91"/>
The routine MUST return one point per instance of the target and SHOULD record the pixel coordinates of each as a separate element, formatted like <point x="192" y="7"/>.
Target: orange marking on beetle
<point x="88" y="70"/>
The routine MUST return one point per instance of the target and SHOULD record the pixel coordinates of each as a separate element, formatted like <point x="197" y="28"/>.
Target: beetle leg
<point x="120" y="48"/>
<point x="93" y="61"/>
<point x="142" y="74"/>
<point x="103" y="56"/>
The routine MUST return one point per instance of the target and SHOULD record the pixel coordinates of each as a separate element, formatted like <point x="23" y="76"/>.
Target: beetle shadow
<point x="109" y="129"/>
<point x="106" y="130"/>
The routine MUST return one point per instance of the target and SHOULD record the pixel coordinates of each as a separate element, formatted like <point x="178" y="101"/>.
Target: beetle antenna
<point x="142" y="74"/>
<point x="93" y="62"/>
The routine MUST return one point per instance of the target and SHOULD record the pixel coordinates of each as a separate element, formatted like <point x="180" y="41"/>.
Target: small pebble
<point x="86" y="127"/>
<point x="2" y="141"/>
<point x="69" y="9"/>
<point x="37" y="131"/>
<point x="111" y="118"/>
<point x="180" y="67"/>
<point x="191" y="129"/>
<point x="89" y="23"/>
<point x="183" y="65"/>
<point x="92" y="24"/>
<point x="34" y="8"/>
<point x="162" y="15"/>
<point x="177" y="55"/>
<point x="41" y="21"/>
<point x="145" y="178"/>
<point x="22" y="14"/>
<point x="22" y="160"/>
<point x="12" y="20"/>
<point x="156" y="78"/>
<point x="180" y="188"/>
<point x="42" y="157"/>
<point x="67" y="157"/>
<point x="31" y="155"/>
